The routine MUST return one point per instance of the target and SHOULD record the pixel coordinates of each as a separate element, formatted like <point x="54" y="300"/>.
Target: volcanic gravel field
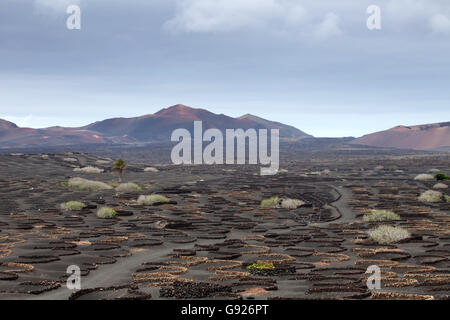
<point x="198" y="246"/>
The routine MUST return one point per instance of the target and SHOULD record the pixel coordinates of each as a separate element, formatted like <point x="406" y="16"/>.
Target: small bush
<point x="70" y="159"/>
<point x="424" y="177"/>
<point x="106" y="213"/>
<point x="388" y="234"/>
<point x="152" y="199"/>
<point x="431" y="196"/>
<point x="128" y="187"/>
<point x="272" y="202"/>
<point x="291" y="203"/>
<point x="441" y="177"/>
<point x="88" y="170"/>
<point x="151" y="169"/>
<point x="261" y="265"/>
<point x="381" y="215"/>
<point x="440" y="186"/>
<point x="433" y="171"/>
<point x="73" y="206"/>
<point x="84" y="184"/>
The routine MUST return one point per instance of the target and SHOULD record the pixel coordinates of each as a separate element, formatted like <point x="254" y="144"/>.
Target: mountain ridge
<point x="155" y="127"/>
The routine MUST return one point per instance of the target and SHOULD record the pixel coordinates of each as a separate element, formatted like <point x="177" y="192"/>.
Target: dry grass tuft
<point x="424" y="177"/>
<point x="152" y="199"/>
<point x="388" y="234"/>
<point x="73" y="206"/>
<point x="106" y="213"/>
<point x="88" y="170"/>
<point x="291" y="203"/>
<point x="128" y="187"/>
<point x="431" y="196"/>
<point x="84" y="184"/>
<point x="381" y="215"/>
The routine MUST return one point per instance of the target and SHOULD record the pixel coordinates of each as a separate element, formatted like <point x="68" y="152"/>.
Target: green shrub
<point x="152" y="199"/>
<point x="128" y="187"/>
<point x="73" y="206"/>
<point x="381" y="215"/>
<point x="272" y="202"/>
<point x="441" y="176"/>
<point x="84" y="184"/>
<point x="261" y="265"/>
<point x="388" y="234"/>
<point x="106" y="213"/>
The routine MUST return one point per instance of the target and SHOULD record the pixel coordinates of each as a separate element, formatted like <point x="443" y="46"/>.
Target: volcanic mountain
<point x="421" y="137"/>
<point x="156" y="127"/>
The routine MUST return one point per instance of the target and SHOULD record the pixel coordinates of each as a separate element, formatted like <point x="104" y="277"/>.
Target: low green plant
<point x="271" y="202"/>
<point x="381" y="215"/>
<point x="261" y="265"/>
<point x="388" y="234"/>
<point x="106" y="213"/>
<point x="441" y="177"/>
<point x="152" y="199"/>
<point x="73" y="206"/>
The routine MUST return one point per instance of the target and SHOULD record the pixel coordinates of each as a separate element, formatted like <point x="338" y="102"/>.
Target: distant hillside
<point x="422" y="137"/>
<point x="156" y="127"/>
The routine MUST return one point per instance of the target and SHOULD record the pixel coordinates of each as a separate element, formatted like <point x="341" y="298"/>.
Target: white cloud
<point x="288" y="18"/>
<point x="431" y="15"/>
<point x="329" y="27"/>
<point x="206" y="16"/>
<point x="440" y="23"/>
<point x="51" y="6"/>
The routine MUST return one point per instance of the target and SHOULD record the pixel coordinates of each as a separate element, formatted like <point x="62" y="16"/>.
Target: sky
<point x="312" y="64"/>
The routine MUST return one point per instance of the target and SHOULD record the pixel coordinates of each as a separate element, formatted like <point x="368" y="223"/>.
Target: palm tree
<point x="119" y="166"/>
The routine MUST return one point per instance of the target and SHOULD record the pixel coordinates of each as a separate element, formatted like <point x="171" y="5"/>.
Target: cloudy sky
<point x="309" y="63"/>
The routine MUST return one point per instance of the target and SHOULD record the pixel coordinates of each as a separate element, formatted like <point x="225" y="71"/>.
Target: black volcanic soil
<point x="199" y="246"/>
